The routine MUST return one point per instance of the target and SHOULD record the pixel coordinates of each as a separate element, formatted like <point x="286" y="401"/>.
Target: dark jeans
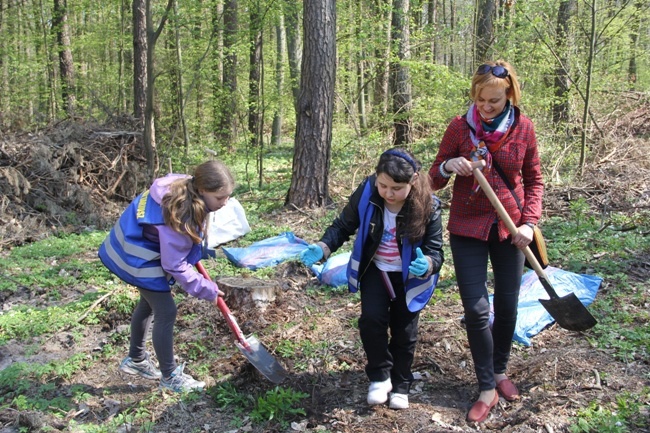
<point x="386" y="358"/>
<point x="160" y="305"/>
<point x="490" y="348"/>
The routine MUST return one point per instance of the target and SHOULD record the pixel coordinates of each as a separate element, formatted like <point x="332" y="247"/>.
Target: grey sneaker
<point x="181" y="382"/>
<point x="145" y="368"/>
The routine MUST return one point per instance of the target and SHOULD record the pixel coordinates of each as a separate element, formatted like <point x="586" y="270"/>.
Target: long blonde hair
<point x="510" y="83"/>
<point x="183" y="208"/>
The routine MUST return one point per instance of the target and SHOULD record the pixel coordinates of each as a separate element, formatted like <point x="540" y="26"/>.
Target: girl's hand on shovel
<point x="219" y="294"/>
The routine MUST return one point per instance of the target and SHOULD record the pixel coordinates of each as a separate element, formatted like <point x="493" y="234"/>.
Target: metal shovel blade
<point x="568" y="311"/>
<point x="262" y="360"/>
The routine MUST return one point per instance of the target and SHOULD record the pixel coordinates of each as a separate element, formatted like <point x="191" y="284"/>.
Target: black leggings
<point x="490" y="348"/>
<point x="386" y="358"/>
<point x="160" y="305"/>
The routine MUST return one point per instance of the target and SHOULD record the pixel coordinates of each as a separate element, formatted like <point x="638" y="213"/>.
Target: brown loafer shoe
<point x="480" y="411"/>
<point x="508" y="390"/>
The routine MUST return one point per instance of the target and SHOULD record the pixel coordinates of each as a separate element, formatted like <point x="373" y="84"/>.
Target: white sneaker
<point x="378" y="392"/>
<point x="398" y="401"/>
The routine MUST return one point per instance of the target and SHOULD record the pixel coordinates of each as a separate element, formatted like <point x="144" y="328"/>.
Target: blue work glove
<point x="311" y="255"/>
<point x="420" y="265"/>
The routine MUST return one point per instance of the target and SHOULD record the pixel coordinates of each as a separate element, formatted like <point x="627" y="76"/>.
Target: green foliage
<point x="628" y="414"/>
<point x="278" y="405"/>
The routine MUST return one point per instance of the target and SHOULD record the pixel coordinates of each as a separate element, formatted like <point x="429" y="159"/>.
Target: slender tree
<point x="227" y="110"/>
<point x="149" y="135"/>
<point x="400" y="79"/>
<point x="565" y="14"/>
<point x="312" y="149"/>
<point x="281" y="41"/>
<point x="485" y="11"/>
<point x="139" y="12"/>
<point x="255" y="83"/>
<point x="66" y="63"/>
<point x="294" y="56"/>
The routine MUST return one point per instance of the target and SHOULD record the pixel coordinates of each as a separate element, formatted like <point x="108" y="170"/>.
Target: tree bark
<point x="66" y="63"/>
<point x="139" y="58"/>
<point x="312" y="149"/>
<point x="399" y="75"/>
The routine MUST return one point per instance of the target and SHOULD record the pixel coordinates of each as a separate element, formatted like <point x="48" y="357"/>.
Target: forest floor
<point x="59" y="177"/>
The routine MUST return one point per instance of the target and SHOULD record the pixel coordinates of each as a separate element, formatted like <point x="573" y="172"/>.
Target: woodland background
<point x="238" y="77"/>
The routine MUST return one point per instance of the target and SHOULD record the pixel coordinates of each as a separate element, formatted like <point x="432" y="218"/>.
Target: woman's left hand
<point x="523" y="237"/>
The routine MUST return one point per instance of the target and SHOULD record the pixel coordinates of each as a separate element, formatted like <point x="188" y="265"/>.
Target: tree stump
<point x="248" y="294"/>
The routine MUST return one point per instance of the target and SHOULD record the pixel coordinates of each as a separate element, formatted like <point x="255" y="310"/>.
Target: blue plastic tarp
<point x="532" y="317"/>
<point x="333" y="271"/>
<point x="267" y="252"/>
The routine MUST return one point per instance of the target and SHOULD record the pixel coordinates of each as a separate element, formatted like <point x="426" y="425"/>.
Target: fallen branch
<point x="93" y="306"/>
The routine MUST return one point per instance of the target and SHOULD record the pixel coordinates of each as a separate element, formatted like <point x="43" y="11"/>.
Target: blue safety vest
<point x="418" y="290"/>
<point x="132" y="257"/>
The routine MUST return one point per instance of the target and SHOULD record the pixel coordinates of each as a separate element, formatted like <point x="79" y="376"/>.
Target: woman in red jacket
<point x="493" y="130"/>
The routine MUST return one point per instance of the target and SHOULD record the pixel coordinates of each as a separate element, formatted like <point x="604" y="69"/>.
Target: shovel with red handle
<point x="249" y="346"/>
<point x="567" y="310"/>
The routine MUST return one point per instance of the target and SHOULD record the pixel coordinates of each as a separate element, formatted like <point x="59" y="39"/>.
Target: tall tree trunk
<point x="121" y="59"/>
<point x="382" y="66"/>
<point x="399" y="74"/>
<point x="565" y="14"/>
<point x="361" y="75"/>
<point x="254" y="84"/>
<point x="149" y="136"/>
<point x="51" y="70"/>
<point x="292" y="28"/>
<point x="312" y="149"/>
<point x="180" y="97"/>
<point x="66" y="64"/>
<point x="635" y="25"/>
<point x="484" y="29"/>
<point x="139" y="10"/>
<point x="228" y="100"/>
<point x="281" y="40"/>
<point x="432" y="14"/>
<point x="590" y="68"/>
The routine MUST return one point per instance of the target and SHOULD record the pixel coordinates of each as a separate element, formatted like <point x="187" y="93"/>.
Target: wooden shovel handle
<point x="503" y="214"/>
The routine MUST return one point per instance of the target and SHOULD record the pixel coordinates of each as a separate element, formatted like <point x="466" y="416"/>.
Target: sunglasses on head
<point x="497" y="70"/>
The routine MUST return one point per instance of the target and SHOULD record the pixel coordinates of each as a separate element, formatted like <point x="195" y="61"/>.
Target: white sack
<point x="226" y="224"/>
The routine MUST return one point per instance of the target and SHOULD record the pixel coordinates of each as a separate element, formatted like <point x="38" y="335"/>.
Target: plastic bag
<point x="226" y="224"/>
<point x="268" y="252"/>
<point x="333" y="271"/>
<point x="532" y="317"/>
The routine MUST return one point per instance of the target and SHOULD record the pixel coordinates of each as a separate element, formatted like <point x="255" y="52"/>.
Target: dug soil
<point x="77" y="177"/>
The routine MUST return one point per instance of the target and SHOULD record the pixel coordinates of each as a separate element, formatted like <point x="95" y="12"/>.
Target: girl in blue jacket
<point x="395" y="261"/>
<point x="155" y="243"/>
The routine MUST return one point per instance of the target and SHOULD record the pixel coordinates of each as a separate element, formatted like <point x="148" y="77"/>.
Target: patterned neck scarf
<point x="488" y="139"/>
